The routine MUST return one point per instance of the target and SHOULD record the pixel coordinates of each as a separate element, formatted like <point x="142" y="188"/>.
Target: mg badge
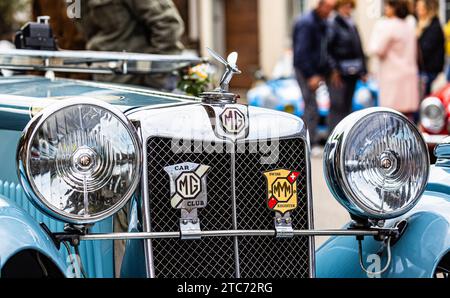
<point x="282" y="190"/>
<point x="188" y="186"/>
<point x="230" y="122"/>
<point x="233" y="121"/>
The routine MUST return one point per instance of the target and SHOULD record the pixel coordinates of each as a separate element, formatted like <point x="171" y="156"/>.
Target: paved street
<point x="328" y="213"/>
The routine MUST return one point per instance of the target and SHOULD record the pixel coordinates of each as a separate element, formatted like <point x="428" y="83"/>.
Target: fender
<point x="416" y="255"/>
<point x="18" y="232"/>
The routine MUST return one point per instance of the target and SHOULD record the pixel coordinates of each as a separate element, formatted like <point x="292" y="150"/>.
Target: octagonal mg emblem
<point x="282" y="190"/>
<point x="233" y="121"/>
<point x="188" y="186"/>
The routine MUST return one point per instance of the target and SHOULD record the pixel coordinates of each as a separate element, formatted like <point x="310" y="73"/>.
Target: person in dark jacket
<point x="311" y="59"/>
<point x="348" y="60"/>
<point x="141" y="26"/>
<point x="431" y="42"/>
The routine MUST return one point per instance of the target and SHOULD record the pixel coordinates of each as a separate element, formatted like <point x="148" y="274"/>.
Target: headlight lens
<point x="433" y="115"/>
<point x="377" y="164"/>
<point x="80" y="161"/>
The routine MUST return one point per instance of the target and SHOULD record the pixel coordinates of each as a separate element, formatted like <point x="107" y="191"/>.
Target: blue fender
<point x="132" y="264"/>
<point x="416" y="255"/>
<point x="19" y="232"/>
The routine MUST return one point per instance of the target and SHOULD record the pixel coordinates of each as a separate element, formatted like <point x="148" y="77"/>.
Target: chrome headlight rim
<point x="334" y="165"/>
<point x="433" y="125"/>
<point x="24" y="151"/>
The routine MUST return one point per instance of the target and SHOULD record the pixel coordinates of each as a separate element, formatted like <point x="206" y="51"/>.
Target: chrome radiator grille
<point x="218" y="257"/>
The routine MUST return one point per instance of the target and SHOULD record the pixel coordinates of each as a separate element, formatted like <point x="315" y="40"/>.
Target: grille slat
<point x="215" y="257"/>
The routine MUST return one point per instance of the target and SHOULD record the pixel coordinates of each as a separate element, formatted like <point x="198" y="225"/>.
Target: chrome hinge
<point x="283" y="226"/>
<point x="190" y="225"/>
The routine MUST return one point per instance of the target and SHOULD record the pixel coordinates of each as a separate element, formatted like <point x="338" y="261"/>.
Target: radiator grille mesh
<point x="216" y="257"/>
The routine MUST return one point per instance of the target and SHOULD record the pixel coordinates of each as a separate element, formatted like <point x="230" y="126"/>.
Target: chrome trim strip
<point x="237" y="233"/>
<point x="99" y="55"/>
<point x="234" y="206"/>
<point x="312" y="244"/>
<point x="146" y="214"/>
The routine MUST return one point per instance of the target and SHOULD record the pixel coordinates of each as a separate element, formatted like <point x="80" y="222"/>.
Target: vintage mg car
<point x="435" y="116"/>
<point x="103" y="180"/>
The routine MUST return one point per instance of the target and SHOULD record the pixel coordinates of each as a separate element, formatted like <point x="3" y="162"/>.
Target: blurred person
<point x="394" y="43"/>
<point x="311" y="59"/>
<point x="348" y="59"/>
<point x="447" y="47"/>
<point x="141" y="26"/>
<point x="431" y="42"/>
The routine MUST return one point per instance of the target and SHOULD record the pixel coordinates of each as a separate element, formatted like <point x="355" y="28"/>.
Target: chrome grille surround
<point x="260" y="122"/>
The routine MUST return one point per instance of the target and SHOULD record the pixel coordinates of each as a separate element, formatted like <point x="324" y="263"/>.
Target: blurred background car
<point x="435" y="117"/>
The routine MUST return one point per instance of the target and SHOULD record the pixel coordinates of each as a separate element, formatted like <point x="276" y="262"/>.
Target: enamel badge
<point x="282" y="190"/>
<point x="188" y="186"/>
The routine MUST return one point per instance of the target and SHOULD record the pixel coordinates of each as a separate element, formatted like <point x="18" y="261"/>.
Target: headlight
<point x="79" y="161"/>
<point x="433" y="115"/>
<point x="376" y="164"/>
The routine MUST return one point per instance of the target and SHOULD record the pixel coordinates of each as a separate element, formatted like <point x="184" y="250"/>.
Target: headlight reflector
<point x="79" y="161"/>
<point x="433" y="115"/>
<point x="377" y="164"/>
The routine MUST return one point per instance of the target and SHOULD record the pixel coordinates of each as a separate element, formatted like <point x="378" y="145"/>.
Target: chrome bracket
<point x="190" y="225"/>
<point x="283" y="226"/>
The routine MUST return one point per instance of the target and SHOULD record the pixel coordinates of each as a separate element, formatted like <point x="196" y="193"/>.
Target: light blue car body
<point x="425" y="242"/>
<point x="418" y="252"/>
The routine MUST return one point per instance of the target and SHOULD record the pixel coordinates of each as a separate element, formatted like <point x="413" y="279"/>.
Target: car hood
<point x="24" y="96"/>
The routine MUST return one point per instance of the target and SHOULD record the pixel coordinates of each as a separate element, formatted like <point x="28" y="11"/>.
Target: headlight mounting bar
<point x="375" y="232"/>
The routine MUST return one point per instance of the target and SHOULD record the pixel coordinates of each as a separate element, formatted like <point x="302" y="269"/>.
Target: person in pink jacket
<point x="394" y="43"/>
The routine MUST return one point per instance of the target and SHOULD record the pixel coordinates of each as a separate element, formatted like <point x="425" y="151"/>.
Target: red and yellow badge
<point x="282" y="190"/>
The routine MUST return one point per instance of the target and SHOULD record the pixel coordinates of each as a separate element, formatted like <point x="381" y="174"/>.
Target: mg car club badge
<point x="188" y="193"/>
<point x="188" y="186"/>
<point x="282" y="198"/>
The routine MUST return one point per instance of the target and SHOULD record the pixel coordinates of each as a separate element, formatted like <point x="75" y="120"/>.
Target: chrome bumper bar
<point x="236" y="233"/>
